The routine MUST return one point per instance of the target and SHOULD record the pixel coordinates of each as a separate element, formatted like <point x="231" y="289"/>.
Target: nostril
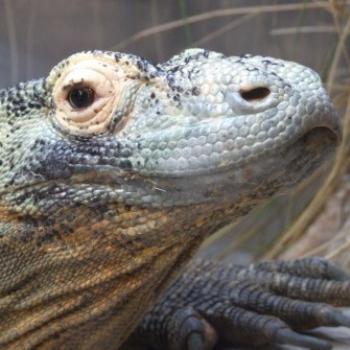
<point x="255" y="94"/>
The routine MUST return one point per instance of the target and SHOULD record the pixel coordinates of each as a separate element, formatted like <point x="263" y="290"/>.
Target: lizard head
<point x="113" y="170"/>
<point x="201" y="127"/>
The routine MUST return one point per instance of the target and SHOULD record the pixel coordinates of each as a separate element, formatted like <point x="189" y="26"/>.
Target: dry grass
<point x="227" y="12"/>
<point x="342" y="158"/>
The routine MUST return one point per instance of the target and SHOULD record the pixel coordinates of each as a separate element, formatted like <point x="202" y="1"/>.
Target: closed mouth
<point x="310" y="151"/>
<point x="319" y="138"/>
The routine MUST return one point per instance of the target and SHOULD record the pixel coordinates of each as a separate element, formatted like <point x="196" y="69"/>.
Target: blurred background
<point x="36" y="34"/>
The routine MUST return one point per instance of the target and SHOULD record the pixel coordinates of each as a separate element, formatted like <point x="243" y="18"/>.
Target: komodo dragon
<point x="114" y="170"/>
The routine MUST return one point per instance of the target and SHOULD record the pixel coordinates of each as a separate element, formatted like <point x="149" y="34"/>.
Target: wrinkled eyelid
<point x="71" y="84"/>
<point x="81" y="81"/>
<point x="92" y="118"/>
<point x="80" y="59"/>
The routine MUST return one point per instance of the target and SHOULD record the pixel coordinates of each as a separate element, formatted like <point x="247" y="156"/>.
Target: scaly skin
<point x="114" y="170"/>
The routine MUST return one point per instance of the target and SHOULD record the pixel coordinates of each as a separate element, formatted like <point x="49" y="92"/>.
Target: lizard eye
<point x="81" y="97"/>
<point x="86" y="96"/>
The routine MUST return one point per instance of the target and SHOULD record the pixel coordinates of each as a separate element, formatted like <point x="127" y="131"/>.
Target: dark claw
<point x="337" y="274"/>
<point x="338" y="318"/>
<point x="195" y="342"/>
<point x="287" y="336"/>
<point x="189" y="330"/>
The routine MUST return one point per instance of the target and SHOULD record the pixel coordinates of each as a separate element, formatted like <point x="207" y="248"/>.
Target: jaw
<point x="273" y="172"/>
<point x="276" y="171"/>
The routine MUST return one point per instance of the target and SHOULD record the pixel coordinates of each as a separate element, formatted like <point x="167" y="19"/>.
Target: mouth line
<point x="318" y="138"/>
<point x="310" y="150"/>
<point x="314" y="142"/>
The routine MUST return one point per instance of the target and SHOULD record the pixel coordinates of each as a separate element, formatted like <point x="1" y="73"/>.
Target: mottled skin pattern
<point x="102" y="205"/>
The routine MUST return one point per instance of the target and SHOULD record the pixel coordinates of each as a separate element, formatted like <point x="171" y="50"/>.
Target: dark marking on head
<point x="125" y="164"/>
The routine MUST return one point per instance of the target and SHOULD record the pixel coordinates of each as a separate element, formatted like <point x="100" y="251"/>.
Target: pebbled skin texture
<point x="101" y="208"/>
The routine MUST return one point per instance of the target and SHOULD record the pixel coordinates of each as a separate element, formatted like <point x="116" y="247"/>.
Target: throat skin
<point x="73" y="295"/>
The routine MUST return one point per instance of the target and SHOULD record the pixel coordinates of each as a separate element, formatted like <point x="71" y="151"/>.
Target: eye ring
<point x="81" y="97"/>
<point x="87" y="92"/>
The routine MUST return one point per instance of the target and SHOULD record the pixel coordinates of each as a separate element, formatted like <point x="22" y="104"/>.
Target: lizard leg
<point x="265" y="303"/>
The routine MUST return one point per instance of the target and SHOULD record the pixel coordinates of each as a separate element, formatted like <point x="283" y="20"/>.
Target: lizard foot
<point x="187" y="329"/>
<point x="265" y="303"/>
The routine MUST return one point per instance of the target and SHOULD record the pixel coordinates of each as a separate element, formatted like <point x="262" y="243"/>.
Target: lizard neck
<point x="102" y="264"/>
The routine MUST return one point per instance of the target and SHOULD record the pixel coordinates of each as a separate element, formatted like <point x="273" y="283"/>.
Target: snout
<point x="315" y="115"/>
<point x="319" y="139"/>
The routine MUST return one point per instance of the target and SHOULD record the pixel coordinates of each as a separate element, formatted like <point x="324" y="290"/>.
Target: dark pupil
<point x="81" y="97"/>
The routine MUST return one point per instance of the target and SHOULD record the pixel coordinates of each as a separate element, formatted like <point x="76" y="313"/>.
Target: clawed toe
<point x="188" y="330"/>
<point x="311" y="267"/>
